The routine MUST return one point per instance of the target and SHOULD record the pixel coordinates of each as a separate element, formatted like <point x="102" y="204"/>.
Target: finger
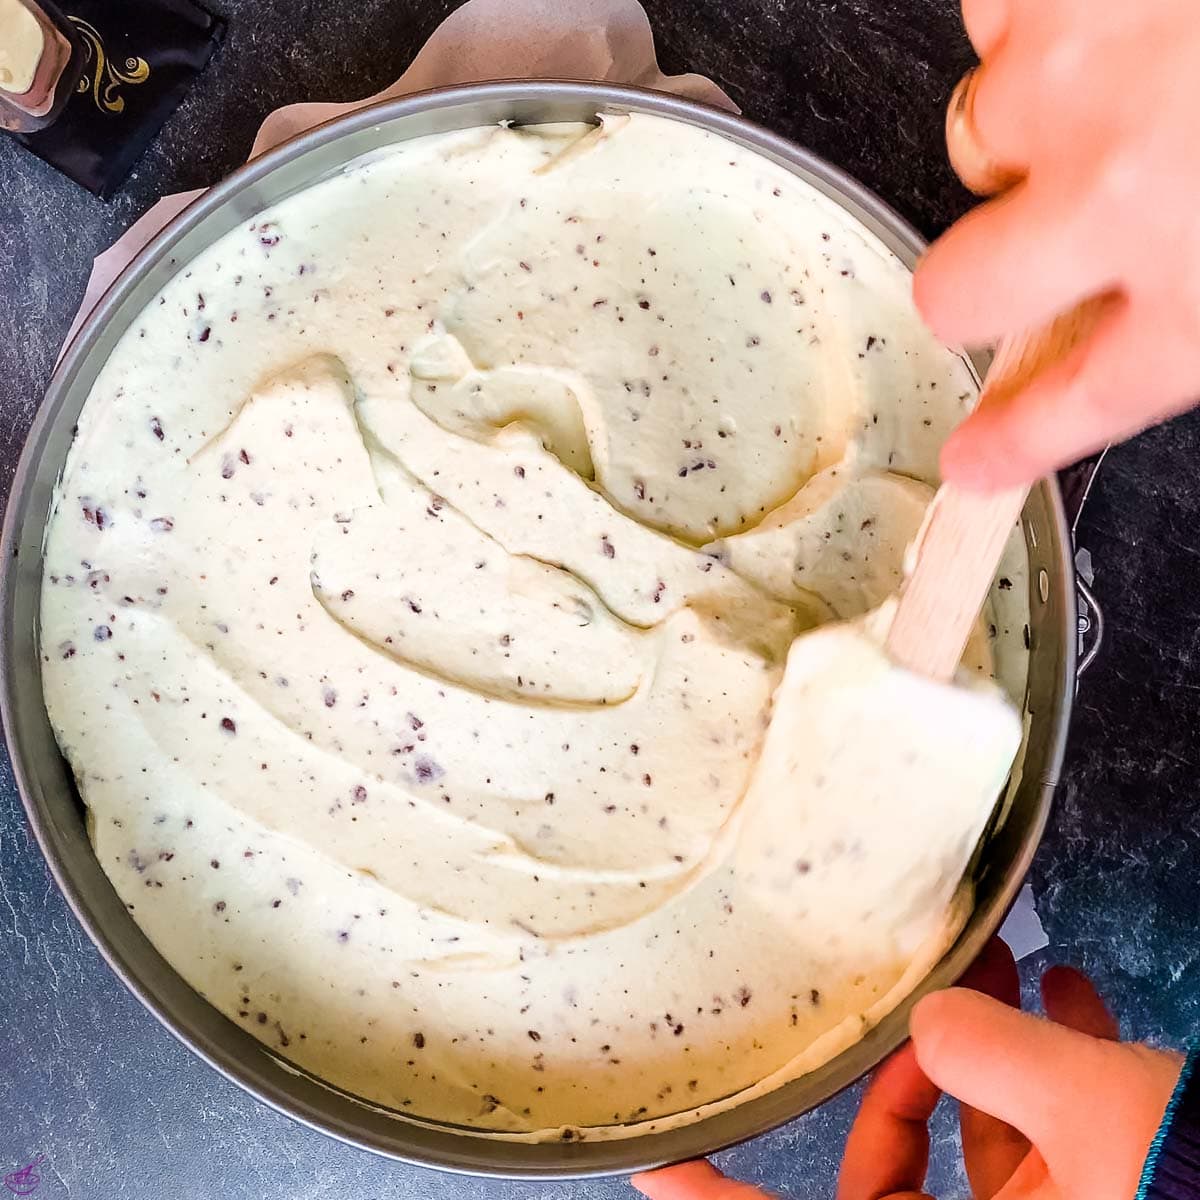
<point x="1070" y="998"/>
<point x="1030" y="1181"/>
<point x="1099" y="393"/>
<point x="994" y="973"/>
<point x="905" y="1196"/>
<point x="1007" y="1062"/>
<point x="693" y="1181"/>
<point x="992" y="1150"/>
<point x="1009" y="264"/>
<point x="987" y="23"/>
<point x="1002" y="107"/>
<point x="887" y="1151"/>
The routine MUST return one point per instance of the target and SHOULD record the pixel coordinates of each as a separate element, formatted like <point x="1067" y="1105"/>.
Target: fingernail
<point x="962" y="91"/>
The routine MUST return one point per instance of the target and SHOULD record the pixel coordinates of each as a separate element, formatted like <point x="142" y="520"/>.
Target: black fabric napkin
<point x="142" y="56"/>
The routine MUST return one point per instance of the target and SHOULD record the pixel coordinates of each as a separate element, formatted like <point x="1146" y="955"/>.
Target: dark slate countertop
<point x="123" y="1111"/>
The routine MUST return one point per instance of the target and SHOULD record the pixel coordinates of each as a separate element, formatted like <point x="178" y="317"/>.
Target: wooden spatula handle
<point x="960" y="547"/>
<point x="964" y="535"/>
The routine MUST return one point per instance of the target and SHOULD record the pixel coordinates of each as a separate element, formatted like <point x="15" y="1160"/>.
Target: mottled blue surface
<point x="119" y="1108"/>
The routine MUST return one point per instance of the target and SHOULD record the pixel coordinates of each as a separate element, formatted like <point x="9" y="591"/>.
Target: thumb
<point x="1018" y="1067"/>
<point x="1090" y="1106"/>
<point x="693" y="1181"/>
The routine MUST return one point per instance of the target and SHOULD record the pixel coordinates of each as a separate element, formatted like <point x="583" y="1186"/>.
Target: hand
<point x="1096" y="107"/>
<point x="1052" y="1110"/>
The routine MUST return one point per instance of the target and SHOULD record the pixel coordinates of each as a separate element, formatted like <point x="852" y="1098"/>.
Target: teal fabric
<point x="1161" y="1146"/>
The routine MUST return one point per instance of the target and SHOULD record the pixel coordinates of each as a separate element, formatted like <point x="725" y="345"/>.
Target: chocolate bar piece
<point x="41" y="57"/>
<point x="138" y="58"/>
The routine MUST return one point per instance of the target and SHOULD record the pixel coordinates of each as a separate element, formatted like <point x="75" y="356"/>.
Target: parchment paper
<point x="608" y="40"/>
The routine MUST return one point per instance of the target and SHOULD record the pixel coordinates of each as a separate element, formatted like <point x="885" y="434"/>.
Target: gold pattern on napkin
<point x="101" y="76"/>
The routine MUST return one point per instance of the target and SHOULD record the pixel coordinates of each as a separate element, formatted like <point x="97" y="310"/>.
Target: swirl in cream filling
<point x="420" y="621"/>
